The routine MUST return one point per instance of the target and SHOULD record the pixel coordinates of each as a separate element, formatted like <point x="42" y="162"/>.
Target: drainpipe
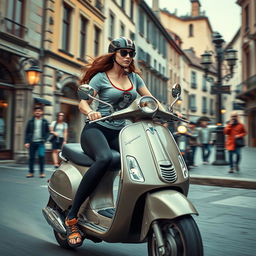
<point x="42" y="49"/>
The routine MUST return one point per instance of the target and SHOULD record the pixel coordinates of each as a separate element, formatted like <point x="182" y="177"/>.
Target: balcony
<point x="193" y="108"/>
<point x="11" y="27"/>
<point x="247" y="89"/>
<point x="204" y="110"/>
<point x="193" y="85"/>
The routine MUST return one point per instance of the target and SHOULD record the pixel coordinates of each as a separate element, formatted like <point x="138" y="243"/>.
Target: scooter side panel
<point x="130" y="140"/>
<point x="165" y="204"/>
<point x="63" y="185"/>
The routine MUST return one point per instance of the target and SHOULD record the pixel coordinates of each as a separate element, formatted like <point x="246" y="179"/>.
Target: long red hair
<point x="102" y="63"/>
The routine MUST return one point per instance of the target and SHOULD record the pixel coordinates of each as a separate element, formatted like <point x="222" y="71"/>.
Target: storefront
<point x="6" y="113"/>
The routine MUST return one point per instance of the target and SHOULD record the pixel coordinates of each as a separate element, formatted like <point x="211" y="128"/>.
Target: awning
<point x="42" y="101"/>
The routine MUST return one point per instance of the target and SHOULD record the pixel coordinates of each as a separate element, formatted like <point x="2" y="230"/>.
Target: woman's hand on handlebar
<point x="93" y="115"/>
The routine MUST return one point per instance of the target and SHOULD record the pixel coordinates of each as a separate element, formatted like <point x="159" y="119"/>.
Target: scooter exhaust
<point x="53" y="218"/>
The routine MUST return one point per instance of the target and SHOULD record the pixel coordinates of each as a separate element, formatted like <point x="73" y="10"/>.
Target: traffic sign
<point x="215" y="89"/>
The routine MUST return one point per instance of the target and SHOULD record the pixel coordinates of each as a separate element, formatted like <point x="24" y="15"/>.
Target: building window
<point x="122" y="29"/>
<point x="193" y="80"/>
<point x="141" y="22"/>
<point x="148" y="30"/>
<point x="66" y="26"/>
<point x="111" y="26"/>
<point x="132" y="36"/>
<point x="211" y="107"/>
<point x="15" y="18"/>
<point x="204" y="105"/>
<point x="204" y="87"/>
<point x="247" y="62"/>
<point x="99" y="5"/>
<point x="132" y="10"/>
<point x="155" y="65"/>
<point x="190" y="30"/>
<point x="96" y="41"/>
<point x="83" y="37"/>
<point x="164" y="48"/>
<point x="123" y="4"/>
<point x="192" y="103"/>
<point x="246" y="18"/>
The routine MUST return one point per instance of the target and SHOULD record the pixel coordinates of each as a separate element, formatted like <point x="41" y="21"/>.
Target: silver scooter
<point x="151" y="202"/>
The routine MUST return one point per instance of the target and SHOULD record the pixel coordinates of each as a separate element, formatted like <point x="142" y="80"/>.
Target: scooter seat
<point x="74" y="153"/>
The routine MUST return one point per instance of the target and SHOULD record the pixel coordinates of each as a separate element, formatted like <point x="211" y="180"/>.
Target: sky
<point x="224" y="15"/>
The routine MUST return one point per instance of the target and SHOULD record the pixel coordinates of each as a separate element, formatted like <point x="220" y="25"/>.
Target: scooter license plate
<point x="182" y="145"/>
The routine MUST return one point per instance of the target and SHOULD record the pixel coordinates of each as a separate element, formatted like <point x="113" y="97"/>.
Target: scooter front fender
<point x="165" y="204"/>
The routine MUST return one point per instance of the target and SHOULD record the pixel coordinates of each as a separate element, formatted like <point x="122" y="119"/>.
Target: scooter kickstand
<point x="159" y="238"/>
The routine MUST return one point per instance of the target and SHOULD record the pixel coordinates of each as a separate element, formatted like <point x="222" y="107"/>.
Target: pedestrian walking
<point x="235" y="132"/>
<point x="193" y="142"/>
<point x="59" y="135"/>
<point x="36" y="134"/>
<point x="205" y="140"/>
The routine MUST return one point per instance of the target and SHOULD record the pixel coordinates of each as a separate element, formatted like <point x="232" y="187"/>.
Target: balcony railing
<point x="14" y="28"/>
<point x="246" y="85"/>
<point x="193" y="108"/>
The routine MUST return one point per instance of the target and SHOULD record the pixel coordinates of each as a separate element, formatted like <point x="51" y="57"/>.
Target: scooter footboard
<point x="167" y="204"/>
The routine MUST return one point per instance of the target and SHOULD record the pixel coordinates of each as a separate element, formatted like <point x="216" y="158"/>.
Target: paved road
<point x="227" y="220"/>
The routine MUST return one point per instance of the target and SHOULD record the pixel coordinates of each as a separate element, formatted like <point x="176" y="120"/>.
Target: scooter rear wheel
<point x="181" y="237"/>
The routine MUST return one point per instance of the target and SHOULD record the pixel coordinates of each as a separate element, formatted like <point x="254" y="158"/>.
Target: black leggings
<point x="96" y="141"/>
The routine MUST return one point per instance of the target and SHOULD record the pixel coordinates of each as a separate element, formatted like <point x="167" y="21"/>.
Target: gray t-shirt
<point x="118" y="98"/>
<point x="37" y="135"/>
<point x="59" y="128"/>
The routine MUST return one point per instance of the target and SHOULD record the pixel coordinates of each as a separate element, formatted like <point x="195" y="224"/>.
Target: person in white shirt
<point x="59" y="131"/>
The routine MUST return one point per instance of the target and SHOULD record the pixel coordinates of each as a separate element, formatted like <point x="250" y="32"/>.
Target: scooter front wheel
<point x="181" y="237"/>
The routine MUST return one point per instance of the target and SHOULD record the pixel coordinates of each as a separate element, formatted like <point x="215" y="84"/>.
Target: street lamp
<point x="230" y="56"/>
<point x="33" y="71"/>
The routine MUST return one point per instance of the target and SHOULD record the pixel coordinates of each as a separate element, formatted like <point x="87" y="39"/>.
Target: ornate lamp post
<point x="230" y="56"/>
<point x="33" y="71"/>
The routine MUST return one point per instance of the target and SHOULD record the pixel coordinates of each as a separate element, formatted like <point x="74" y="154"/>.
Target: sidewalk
<point x="203" y="174"/>
<point x="219" y="176"/>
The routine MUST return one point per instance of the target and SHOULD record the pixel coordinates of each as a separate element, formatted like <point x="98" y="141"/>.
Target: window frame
<point x="83" y="36"/>
<point x="65" y="45"/>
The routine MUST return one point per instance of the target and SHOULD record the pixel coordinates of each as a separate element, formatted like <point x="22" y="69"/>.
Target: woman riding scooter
<point x="115" y="80"/>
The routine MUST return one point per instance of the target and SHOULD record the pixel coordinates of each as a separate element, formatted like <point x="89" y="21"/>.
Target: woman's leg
<point x="95" y="144"/>
<point x="55" y="157"/>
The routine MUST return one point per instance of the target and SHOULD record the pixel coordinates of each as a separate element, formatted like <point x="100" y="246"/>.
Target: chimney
<point x="155" y="8"/>
<point x="195" y="8"/>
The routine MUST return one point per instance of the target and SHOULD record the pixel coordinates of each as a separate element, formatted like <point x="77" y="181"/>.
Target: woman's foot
<point x="74" y="235"/>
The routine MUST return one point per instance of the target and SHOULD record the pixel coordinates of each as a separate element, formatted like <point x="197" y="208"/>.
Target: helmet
<point x="121" y="43"/>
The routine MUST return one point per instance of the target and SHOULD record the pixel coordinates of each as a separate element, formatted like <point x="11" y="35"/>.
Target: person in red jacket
<point x="233" y="130"/>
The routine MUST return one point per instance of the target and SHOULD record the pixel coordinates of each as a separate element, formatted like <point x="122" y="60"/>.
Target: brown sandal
<point x="73" y="232"/>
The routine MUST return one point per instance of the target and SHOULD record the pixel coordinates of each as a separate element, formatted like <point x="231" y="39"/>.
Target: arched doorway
<point x="69" y="105"/>
<point x="6" y="113"/>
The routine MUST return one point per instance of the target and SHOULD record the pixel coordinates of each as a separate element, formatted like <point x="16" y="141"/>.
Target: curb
<point x="223" y="181"/>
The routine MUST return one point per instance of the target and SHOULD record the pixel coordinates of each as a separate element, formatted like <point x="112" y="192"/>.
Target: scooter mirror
<point x="85" y="92"/>
<point x="176" y="90"/>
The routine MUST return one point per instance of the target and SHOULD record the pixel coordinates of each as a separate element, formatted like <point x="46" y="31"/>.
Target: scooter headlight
<point x="182" y="129"/>
<point x="148" y="104"/>
<point x="183" y="166"/>
<point x="134" y="169"/>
